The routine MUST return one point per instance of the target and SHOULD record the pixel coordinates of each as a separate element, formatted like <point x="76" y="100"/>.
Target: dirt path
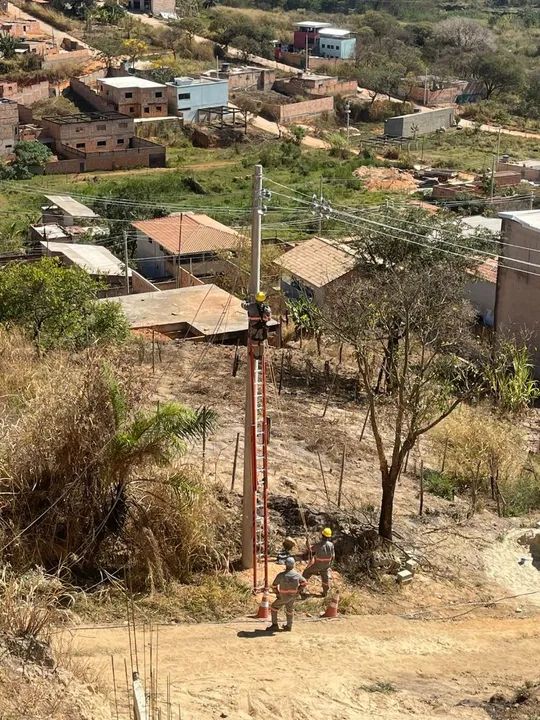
<point x="496" y="128"/>
<point x="328" y="670"/>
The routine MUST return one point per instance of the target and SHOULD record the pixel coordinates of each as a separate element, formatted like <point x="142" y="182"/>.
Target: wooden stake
<point x="340" y="353"/>
<point x="204" y="439"/>
<point x="340" y="486"/>
<point x="153" y="352"/>
<point x="323" y="478"/>
<point x="114" y="685"/>
<point x="281" y="372"/>
<point x="329" y="394"/>
<point x="235" y="461"/>
<point x="364" y="427"/>
<point x="421" y="509"/>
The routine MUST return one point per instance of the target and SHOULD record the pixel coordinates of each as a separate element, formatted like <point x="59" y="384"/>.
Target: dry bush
<point x="474" y="442"/>
<point x="93" y="485"/>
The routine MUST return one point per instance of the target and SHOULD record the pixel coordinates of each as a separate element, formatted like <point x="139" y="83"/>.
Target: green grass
<point x="379" y="687"/>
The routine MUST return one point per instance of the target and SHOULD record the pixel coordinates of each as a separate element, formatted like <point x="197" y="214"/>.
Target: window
<point x="147" y="110"/>
<point x="80" y="146"/>
<point x="128" y="95"/>
<point x="78" y="130"/>
<point x="131" y="109"/>
<point x="101" y="143"/>
<point x="184" y="96"/>
<point x="101" y="127"/>
<point x="159" y="94"/>
<point x="120" y="141"/>
<point x="124" y="124"/>
<point x="158" y="108"/>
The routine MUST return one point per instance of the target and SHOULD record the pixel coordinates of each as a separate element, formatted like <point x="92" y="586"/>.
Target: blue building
<point x="188" y="95"/>
<point x="336" y="43"/>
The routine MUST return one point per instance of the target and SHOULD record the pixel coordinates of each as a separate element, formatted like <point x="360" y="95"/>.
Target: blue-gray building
<point x="336" y="43"/>
<point x="188" y="95"/>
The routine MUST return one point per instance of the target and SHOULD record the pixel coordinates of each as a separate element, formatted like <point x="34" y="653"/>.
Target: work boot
<point x="287" y="628"/>
<point x="272" y="628"/>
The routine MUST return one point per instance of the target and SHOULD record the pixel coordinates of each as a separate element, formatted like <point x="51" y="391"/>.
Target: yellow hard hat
<point x="327" y="532"/>
<point x="260" y="296"/>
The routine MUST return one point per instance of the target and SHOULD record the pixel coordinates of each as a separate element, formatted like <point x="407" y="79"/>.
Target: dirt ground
<point x="362" y="667"/>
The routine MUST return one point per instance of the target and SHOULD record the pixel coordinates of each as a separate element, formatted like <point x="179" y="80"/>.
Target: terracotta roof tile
<point x="487" y="270"/>
<point x="189" y="233"/>
<point x="317" y="262"/>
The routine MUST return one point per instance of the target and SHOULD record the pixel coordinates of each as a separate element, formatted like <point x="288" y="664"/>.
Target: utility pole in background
<point x="254" y="284"/>
<point x="348" y="116"/>
<point x="307" y="52"/>
<point x="126" y="265"/>
<point x="492" y="188"/>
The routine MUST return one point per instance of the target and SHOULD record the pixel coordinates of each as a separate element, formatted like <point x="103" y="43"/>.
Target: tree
<point x="134" y="49"/>
<point x="30" y="157"/>
<point x="109" y="46"/>
<point x="58" y="306"/>
<point x="191" y="26"/>
<point x="464" y="34"/>
<point x="77" y="8"/>
<point x="424" y="308"/>
<point x="498" y="71"/>
<point x="58" y="105"/>
<point x="8" y="46"/>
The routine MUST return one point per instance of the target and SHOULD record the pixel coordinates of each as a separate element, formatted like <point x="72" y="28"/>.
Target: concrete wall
<point x="420" y="123"/>
<point x="76" y="57"/>
<point x="524" y="172"/>
<point x="27" y="94"/>
<point x="324" y="88"/>
<point x="245" y="78"/>
<point x="297" y="111"/>
<point x="518" y="293"/>
<point x="294" y="287"/>
<point x="481" y="294"/>
<point x="140" y="284"/>
<point x="441" y="96"/>
<point x="84" y="92"/>
<point x="298" y="59"/>
<point x="21" y="28"/>
<point x="9" y="121"/>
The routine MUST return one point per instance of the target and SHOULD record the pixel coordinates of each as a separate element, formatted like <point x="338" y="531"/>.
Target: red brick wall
<point x="298" y="111"/>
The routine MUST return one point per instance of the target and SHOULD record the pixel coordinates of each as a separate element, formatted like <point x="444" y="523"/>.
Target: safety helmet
<point x="327" y="533"/>
<point x="290" y="562"/>
<point x="260" y="296"/>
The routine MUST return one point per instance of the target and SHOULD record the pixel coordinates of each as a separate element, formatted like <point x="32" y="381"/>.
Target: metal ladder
<point x="259" y="462"/>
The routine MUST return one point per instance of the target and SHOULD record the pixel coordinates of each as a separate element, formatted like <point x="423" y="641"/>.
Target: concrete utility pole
<point x="307" y="52"/>
<point x="348" y="115"/>
<point x="492" y="188"/>
<point x="254" y="285"/>
<point x="126" y="265"/>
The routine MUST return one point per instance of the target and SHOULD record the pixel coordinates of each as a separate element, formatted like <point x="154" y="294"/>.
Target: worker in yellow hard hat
<point x="259" y="314"/>
<point x="323" y="557"/>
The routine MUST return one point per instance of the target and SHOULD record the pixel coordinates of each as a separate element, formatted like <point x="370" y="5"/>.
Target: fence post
<point x="421" y="509"/>
<point x="340" y="486"/>
<point x="235" y="461"/>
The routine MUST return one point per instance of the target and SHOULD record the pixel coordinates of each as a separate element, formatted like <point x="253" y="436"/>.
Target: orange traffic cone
<point x="264" y="608"/>
<point x="332" y="608"/>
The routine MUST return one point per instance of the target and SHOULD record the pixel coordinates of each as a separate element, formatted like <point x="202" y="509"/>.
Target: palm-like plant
<point x="8" y="46"/>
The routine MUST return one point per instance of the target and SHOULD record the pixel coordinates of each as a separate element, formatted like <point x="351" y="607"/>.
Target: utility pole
<point x="254" y="284"/>
<point x="348" y="116"/>
<point x="320" y="200"/>
<point x="126" y="266"/>
<point x="492" y="188"/>
<point x="498" y="145"/>
<point x="307" y="52"/>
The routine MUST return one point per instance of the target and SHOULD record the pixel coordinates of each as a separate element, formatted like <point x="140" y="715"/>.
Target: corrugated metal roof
<point x="189" y="233"/>
<point x="71" y="207"/>
<point x="95" y="259"/>
<point x="317" y="262"/>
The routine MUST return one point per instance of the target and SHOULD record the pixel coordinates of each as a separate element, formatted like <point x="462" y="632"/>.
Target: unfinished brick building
<point x="97" y="141"/>
<point x="134" y="96"/>
<point x="9" y="122"/>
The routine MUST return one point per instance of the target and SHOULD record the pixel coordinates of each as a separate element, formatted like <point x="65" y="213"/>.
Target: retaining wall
<point x="420" y="123"/>
<point x="297" y="111"/>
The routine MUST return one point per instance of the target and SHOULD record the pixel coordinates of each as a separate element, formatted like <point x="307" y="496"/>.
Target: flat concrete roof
<point x="95" y="259"/>
<point x="311" y="24"/>
<point x="334" y="32"/>
<point x="493" y="224"/>
<point x="130" y="81"/>
<point x="207" y="309"/>
<point x="527" y="218"/>
<point x="71" y="207"/>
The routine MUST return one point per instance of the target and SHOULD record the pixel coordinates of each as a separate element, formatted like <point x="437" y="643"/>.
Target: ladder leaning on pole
<point x="259" y="461"/>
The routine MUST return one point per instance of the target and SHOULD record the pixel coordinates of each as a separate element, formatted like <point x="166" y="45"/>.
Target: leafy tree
<point x="306" y="317"/>
<point x="498" y="72"/>
<point x="134" y="49"/>
<point x="30" y="157"/>
<point x="58" y="306"/>
<point x="191" y="26"/>
<point x="109" y="46"/>
<point x="8" y="45"/>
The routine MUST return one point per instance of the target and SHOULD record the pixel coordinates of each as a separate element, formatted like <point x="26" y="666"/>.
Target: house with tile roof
<point x="192" y="241"/>
<point x="315" y="268"/>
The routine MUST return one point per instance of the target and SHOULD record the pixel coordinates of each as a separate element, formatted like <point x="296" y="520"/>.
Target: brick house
<point x="134" y="96"/>
<point x="154" y="7"/>
<point x="97" y="141"/>
<point x="518" y="282"/>
<point x="9" y="126"/>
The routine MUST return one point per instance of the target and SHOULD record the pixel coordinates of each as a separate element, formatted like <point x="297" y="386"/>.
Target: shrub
<point x="522" y="495"/>
<point x="438" y="484"/>
<point x="509" y="378"/>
